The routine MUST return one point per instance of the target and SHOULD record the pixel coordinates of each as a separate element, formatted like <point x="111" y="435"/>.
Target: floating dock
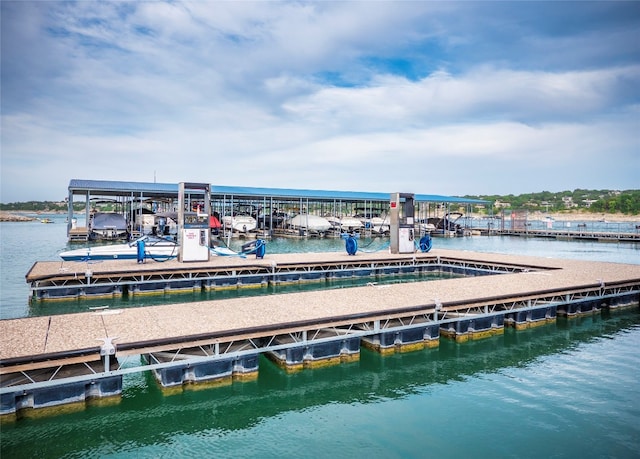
<point x="64" y="281"/>
<point x="564" y="235"/>
<point x="60" y="360"/>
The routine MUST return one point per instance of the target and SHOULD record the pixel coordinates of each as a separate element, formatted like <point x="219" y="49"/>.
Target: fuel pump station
<point x="401" y="217"/>
<point x="193" y="225"/>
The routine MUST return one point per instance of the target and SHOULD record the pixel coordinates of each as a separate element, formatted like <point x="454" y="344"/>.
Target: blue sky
<point x="424" y="97"/>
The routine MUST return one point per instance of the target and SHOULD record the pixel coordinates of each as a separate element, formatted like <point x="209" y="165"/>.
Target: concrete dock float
<point x="220" y="340"/>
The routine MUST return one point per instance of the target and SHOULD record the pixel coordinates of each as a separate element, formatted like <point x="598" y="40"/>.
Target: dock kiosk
<point x="402" y="223"/>
<point x="194" y="208"/>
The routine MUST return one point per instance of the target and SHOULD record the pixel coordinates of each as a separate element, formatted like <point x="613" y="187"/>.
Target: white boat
<point x="312" y="223"/>
<point x="155" y="248"/>
<point x="380" y="225"/>
<point x="239" y="223"/>
<point x="350" y="223"/>
<point x="426" y="227"/>
<point x="345" y="223"/>
<point x="375" y="223"/>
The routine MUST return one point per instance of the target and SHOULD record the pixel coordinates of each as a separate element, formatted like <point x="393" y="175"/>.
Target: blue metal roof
<point x="105" y="187"/>
<point x="112" y="187"/>
<point x="290" y="193"/>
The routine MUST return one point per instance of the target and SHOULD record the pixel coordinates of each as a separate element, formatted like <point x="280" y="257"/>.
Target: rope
<point x="385" y="246"/>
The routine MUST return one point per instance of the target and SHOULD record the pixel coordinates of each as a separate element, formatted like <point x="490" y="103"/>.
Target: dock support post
<point x="106" y="350"/>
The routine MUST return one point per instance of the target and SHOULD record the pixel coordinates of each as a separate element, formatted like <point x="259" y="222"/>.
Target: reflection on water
<point x="146" y="417"/>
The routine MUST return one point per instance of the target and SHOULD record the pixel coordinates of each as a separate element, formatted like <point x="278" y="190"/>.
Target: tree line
<point x="40" y="206"/>
<point x="596" y="201"/>
<point x="626" y="203"/>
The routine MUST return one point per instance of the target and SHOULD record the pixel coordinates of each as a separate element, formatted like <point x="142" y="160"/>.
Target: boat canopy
<point x="149" y="190"/>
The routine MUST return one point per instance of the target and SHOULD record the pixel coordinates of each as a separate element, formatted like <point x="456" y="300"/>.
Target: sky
<point x="468" y="98"/>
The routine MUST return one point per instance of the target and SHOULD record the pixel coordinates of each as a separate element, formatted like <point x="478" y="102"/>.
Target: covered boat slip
<point x="267" y="207"/>
<point x="165" y="327"/>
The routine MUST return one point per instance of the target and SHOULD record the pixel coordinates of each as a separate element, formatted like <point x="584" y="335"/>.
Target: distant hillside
<point x="596" y="201"/>
<point x="40" y="206"/>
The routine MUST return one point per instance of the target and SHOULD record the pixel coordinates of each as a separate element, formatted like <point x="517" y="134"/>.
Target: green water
<point x="564" y="390"/>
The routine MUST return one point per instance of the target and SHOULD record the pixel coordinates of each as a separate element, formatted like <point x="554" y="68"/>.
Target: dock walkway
<point x="565" y="235"/>
<point x="21" y="338"/>
<point x="52" y="281"/>
<point x="236" y="328"/>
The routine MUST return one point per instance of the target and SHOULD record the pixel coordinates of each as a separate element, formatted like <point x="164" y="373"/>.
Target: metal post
<point x="106" y="350"/>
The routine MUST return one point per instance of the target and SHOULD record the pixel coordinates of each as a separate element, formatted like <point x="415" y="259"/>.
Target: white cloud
<point x="309" y="95"/>
<point x="482" y="94"/>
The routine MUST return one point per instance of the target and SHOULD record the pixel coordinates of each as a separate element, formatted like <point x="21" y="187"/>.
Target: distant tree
<point x="627" y="202"/>
<point x="40" y="206"/>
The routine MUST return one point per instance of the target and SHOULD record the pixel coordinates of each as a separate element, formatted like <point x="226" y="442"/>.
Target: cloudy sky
<point x="424" y="97"/>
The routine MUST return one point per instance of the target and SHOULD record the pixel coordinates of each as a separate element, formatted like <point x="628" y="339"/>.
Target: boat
<point x="335" y="222"/>
<point x="426" y="227"/>
<point x="448" y="225"/>
<point x="308" y="222"/>
<point x="374" y="222"/>
<point x="107" y="226"/>
<point x="345" y="223"/>
<point x="156" y="248"/>
<point x="46" y="220"/>
<point x="240" y="223"/>
<point x="267" y="219"/>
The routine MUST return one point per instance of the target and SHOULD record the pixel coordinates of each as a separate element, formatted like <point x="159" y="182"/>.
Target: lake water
<point x="570" y="389"/>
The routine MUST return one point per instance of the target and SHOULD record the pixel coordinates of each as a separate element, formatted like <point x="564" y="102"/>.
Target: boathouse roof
<point x="152" y="189"/>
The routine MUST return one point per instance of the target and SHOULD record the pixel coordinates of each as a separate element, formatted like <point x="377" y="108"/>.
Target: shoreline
<point x="15" y="216"/>
<point x="26" y="215"/>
